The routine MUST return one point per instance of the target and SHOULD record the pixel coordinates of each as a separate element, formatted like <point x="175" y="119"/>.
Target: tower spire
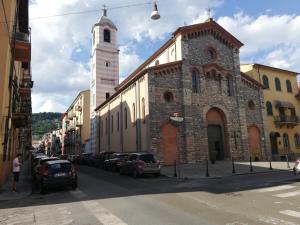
<point x="104" y="10"/>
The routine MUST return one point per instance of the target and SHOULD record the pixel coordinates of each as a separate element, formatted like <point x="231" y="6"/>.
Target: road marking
<point x="291" y="213"/>
<point x="288" y="194"/>
<point x="99" y="211"/>
<point x="278" y="188"/>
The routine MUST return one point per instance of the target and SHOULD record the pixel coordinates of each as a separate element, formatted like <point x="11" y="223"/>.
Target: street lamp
<point x="155" y="14"/>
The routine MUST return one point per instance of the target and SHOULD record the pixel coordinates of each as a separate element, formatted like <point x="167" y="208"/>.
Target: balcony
<point x="289" y="121"/>
<point x="22" y="47"/>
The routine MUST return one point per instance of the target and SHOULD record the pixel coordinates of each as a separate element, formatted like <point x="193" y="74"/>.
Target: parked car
<point x="115" y="162"/>
<point x="139" y="164"/>
<point x="95" y="160"/>
<point x="56" y="173"/>
<point x="297" y="167"/>
<point x="83" y="158"/>
<point x="72" y="158"/>
<point x="39" y="164"/>
<point x="35" y="161"/>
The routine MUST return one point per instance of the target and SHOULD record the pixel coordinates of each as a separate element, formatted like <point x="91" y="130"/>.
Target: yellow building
<point x="15" y="83"/>
<point x="281" y="99"/>
<point x="76" y="124"/>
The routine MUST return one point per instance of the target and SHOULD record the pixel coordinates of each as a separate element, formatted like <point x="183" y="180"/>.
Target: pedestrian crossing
<point x="283" y="192"/>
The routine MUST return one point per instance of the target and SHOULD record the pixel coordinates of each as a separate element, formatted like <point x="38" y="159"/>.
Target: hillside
<point x="45" y="122"/>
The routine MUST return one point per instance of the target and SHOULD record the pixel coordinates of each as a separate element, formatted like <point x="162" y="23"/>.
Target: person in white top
<point x="16" y="171"/>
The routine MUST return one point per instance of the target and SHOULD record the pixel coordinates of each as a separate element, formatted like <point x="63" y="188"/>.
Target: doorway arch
<point x="169" y="141"/>
<point x="216" y="126"/>
<point x="273" y="140"/>
<point x="254" y="142"/>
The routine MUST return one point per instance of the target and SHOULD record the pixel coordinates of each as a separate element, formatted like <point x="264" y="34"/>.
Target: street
<point x="108" y="198"/>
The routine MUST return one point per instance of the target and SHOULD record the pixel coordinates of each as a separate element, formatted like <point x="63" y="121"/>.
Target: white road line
<point x="278" y="188"/>
<point x="291" y="213"/>
<point x="99" y="211"/>
<point x="288" y="194"/>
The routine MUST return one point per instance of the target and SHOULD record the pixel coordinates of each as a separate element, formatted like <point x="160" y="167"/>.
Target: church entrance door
<point x="215" y="142"/>
<point x="254" y="143"/>
<point x="169" y="136"/>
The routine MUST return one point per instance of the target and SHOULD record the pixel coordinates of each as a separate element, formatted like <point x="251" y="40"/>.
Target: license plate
<point x="60" y="174"/>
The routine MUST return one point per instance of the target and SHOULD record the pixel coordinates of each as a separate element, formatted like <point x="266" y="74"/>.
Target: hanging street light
<point x="155" y="14"/>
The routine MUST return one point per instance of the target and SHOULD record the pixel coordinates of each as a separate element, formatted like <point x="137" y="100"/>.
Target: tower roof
<point x="105" y="21"/>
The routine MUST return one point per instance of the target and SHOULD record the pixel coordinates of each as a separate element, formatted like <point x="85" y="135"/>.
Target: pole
<point x="175" y="168"/>
<point x="271" y="168"/>
<point x="233" y="166"/>
<point x="287" y="161"/>
<point x="251" y="168"/>
<point x="207" y="173"/>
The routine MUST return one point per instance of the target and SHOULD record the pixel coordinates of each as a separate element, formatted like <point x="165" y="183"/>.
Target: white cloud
<point x="129" y="61"/>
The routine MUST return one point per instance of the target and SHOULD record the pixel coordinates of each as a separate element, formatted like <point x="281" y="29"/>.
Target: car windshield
<point x="148" y="158"/>
<point x="60" y="167"/>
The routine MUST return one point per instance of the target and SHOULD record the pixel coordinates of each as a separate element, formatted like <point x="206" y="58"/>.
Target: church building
<point x="187" y="102"/>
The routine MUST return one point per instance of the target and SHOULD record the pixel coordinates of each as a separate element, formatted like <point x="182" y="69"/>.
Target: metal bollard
<point x="207" y="173"/>
<point x="287" y="162"/>
<point x="251" y="168"/>
<point x="175" y="168"/>
<point x="233" y="166"/>
<point x="271" y="165"/>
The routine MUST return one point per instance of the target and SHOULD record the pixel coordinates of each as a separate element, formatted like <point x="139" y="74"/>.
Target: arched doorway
<point x="254" y="143"/>
<point x="273" y="140"/>
<point x="215" y="133"/>
<point x="169" y="137"/>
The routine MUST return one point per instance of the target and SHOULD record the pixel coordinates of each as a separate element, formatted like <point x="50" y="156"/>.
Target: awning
<point x="282" y="104"/>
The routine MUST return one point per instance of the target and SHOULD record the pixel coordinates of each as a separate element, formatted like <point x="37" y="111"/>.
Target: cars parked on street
<point x="56" y="173"/>
<point x="39" y="163"/>
<point x="139" y="164"/>
<point x="115" y="161"/>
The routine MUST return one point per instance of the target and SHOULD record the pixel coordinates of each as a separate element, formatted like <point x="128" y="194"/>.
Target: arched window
<point x="265" y="82"/>
<point x="168" y="96"/>
<point x="269" y="108"/>
<point x="289" y="86"/>
<point x="106" y="126"/>
<point x="229" y="86"/>
<point x="133" y="114"/>
<point x="251" y="105"/>
<point x="125" y="117"/>
<point x="297" y="140"/>
<point x="106" y="35"/>
<point x="286" y="142"/>
<point x="118" y="121"/>
<point x="143" y="110"/>
<point x="277" y="84"/>
<point x="112" y="123"/>
<point x="195" y="81"/>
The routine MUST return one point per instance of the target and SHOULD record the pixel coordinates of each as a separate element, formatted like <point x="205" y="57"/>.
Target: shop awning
<point x="282" y="104"/>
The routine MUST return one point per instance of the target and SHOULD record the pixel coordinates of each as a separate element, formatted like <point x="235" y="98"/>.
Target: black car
<point x="95" y="160"/>
<point x="56" y="173"/>
<point x="115" y="162"/>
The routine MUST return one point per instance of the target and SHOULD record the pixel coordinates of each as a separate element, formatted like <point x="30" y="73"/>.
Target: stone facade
<point x="202" y="86"/>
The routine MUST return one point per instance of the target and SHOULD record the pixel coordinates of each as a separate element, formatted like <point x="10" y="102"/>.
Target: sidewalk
<point x="223" y="169"/>
<point x="24" y="185"/>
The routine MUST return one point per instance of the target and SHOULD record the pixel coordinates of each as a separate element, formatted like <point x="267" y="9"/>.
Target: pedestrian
<point x="16" y="171"/>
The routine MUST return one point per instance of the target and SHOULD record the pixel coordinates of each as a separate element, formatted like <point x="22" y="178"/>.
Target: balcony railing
<point x="22" y="47"/>
<point x="286" y="120"/>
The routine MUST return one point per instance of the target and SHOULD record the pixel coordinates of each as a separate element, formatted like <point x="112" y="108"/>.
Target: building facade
<point x="281" y="101"/>
<point x="76" y="125"/>
<point x="188" y="102"/>
<point x="15" y="83"/>
<point x="105" y="69"/>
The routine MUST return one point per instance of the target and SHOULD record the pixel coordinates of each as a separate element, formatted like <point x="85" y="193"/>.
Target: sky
<point x="61" y="45"/>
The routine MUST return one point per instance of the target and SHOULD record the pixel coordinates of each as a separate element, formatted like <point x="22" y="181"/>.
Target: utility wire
<point x="83" y="12"/>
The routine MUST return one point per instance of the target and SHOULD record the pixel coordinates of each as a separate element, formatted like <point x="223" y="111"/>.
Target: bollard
<point x="271" y="165"/>
<point x="207" y="173"/>
<point x="251" y="168"/>
<point x="287" y="162"/>
<point x="233" y="167"/>
<point x="175" y="168"/>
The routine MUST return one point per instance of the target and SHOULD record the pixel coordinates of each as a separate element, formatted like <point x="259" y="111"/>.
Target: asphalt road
<point x="110" y="199"/>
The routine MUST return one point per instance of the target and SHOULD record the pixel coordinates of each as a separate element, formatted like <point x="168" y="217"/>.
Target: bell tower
<point x="104" y="68"/>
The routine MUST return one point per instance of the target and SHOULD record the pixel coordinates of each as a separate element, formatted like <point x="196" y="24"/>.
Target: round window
<point x="211" y="54"/>
<point x="168" y="96"/>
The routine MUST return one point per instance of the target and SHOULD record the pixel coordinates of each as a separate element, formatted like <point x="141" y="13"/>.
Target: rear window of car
<point x="148" y="158"/>
<point x="60" y="167"/>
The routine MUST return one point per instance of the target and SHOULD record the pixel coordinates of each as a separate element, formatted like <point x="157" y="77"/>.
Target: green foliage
<point x="45" y="122"/>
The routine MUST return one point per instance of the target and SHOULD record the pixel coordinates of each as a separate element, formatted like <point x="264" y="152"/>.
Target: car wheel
<point x="135" y="174"/>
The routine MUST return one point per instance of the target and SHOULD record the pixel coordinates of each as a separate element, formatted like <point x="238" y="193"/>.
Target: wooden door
<point x="254" y="143"/>
<point x="169" y="135"/>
